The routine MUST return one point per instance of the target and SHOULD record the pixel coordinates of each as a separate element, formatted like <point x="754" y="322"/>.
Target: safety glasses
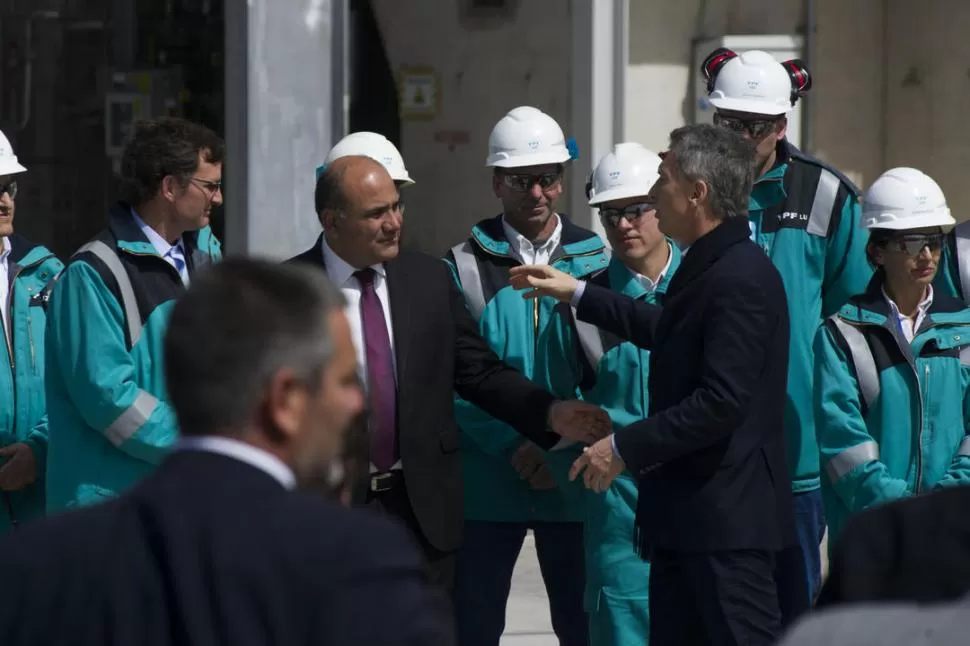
<point x="914" y="243"/>
<point x="523" y="182"/>
<point x="631" y="213"/>
<point x="10" y="188"/>
<point x="756" y="128"/>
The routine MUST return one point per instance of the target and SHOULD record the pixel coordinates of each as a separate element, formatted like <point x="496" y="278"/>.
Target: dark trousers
<point x="440" y="565"/>
<point x="485" y="564"/>
<point x="798" y="569"/>
<point x="713" y="598"/>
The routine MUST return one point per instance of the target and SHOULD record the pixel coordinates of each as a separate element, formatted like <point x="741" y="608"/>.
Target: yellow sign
<point x="418" y="93"/>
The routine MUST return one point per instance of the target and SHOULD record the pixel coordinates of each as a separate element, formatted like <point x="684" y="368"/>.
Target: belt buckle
<point x="381" y="482"/>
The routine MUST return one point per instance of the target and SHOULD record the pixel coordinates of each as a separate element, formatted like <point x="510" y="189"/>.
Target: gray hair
<point x="722" y="159"/>
<point x="238" y="325"/>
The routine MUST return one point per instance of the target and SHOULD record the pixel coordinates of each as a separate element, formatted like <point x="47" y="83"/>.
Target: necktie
<point x="179" y="261"/>
<point x="381" y="386"/>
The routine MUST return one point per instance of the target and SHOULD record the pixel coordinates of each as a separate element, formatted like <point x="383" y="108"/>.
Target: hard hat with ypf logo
<point x="905" y="198"/>
<point x="526" y="136"/>
<point x="629" y="170"/>
<point x="754" y="82"/>
<point x="373" y="145"/>
<point x="8" y="160"/>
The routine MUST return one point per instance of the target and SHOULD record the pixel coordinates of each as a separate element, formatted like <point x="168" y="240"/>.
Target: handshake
<point x="579" y="421"/>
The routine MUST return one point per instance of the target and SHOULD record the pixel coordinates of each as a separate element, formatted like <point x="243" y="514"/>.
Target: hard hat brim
<point x="619" y="194"/>
<point x="944" y="220"/>
<point x="751" y="106"/>
<point x="503" y="160"/>
<point x="11" y="168"/>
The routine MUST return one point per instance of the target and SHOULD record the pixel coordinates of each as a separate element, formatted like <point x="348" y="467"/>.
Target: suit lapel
<point x="398" y="295"/>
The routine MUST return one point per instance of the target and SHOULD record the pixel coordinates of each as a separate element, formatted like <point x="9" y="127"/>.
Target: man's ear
<point x="328" y="219"/>
<point x="170" y="188"/>
<point x="699" y="193"/>
<point x="286" y="404"/>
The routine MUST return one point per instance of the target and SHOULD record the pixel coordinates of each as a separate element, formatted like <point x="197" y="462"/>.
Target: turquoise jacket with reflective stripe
<point x="110" y="423"/>
<point x="611" y="373"/>
<point x="806" y="217"/>
<point x="32" y="270"/>
<point x="513" y="327"/>
<point x="952" y="278"/>
<point x="892" y="416"/>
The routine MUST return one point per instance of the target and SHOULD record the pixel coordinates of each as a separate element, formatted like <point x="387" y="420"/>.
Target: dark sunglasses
<point x="914" y="243"/>
<point x="630" y="213"/>
<point x="518" y="182"/>
<point x="10" y="188"/>
<point x="756" y="128"/>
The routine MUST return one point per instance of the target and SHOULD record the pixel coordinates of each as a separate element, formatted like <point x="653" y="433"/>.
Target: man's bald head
<point x="360" y="210"/>
<point x="347" y="175"/>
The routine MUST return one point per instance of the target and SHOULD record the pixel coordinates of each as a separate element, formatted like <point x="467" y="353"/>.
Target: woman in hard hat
<point x="891" y="367"/>
<point x="612" y="373"/>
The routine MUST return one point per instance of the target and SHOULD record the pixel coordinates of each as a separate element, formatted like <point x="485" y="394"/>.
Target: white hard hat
<point x="373" y="145"/>
<point x="8" y="160"/>
<point x="630" y="170"/>
<point x="526" y="136"/>
<point x="754" y="82"/>
<point x="905" y="198"/>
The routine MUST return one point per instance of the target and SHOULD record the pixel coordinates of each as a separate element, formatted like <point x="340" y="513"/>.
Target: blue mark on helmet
<point x="320" y="169"/>
<point x="573" y="148"/>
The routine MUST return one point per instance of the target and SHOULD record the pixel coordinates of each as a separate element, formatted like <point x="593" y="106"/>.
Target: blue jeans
<point x="798" y="571"/>
<point x="486" y="560"/>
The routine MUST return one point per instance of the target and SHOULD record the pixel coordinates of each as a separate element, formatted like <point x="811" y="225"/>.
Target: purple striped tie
<point x="381" y="386"/>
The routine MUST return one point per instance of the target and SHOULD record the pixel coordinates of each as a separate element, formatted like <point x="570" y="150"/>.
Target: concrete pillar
<point x="597" y="96"/>
<point x="282" y="116"/>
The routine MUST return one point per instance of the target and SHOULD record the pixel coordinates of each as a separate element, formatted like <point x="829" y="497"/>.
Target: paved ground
<point x="527" y="619"/>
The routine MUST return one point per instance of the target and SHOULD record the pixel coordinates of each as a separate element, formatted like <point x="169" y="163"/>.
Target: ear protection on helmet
<point x="801" y="80"/>
<point x="713" y="64"/>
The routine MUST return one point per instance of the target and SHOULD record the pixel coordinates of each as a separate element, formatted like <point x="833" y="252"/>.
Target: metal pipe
<point x="807" y="102"/>
<point x="29" y="61"/>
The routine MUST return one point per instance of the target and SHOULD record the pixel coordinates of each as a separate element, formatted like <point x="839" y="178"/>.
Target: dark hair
<point x="165" y="146"/>
<point x="329" y="193"/>
<point x="722" y="159"/>
<point x="238" y="324"/>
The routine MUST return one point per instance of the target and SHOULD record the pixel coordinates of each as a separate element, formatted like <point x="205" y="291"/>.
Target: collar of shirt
<point x="921" y="310"/>
<point x="338" y="269"/>
<point x="523" y="249"/>
<point x="649" y="284"/>
<point x="5" y="251"/>
<point x="237" y="450"/>
<point x="162" y="246"/>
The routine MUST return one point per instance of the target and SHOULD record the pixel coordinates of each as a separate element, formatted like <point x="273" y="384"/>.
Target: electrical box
<point x="782" y="47"/>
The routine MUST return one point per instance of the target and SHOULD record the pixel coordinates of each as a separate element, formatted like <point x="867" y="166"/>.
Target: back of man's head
<point x="246" y="352"/>
<point x="721" y="158"/>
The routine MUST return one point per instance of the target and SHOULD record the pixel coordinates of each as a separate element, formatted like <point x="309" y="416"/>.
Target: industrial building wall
<point x="485" y="66"/>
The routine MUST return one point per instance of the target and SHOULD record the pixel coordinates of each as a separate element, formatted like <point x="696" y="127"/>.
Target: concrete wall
<point x="485" y="69"/>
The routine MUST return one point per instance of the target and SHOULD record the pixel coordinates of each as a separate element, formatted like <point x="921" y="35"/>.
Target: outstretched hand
<point x="543" y="280"/>
<point x="579" y="421"/>
<point x="598" y="465"/>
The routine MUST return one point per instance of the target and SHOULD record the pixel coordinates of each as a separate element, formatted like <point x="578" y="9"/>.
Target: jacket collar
<point x="623" y="280"/>
<point x="490" y="235"/>
<point x="871" y="307"/>
<point x="708" y="248"/>
<point x="129" y="236"/>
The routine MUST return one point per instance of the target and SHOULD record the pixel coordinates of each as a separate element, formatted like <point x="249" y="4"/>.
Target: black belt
<point x="385" y="481"/>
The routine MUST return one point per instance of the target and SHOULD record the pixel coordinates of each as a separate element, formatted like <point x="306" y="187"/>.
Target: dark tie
<point x="381" y="386"/>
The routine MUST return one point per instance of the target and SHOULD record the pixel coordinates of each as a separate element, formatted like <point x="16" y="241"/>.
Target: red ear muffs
<point x="713" y="64"/>
<point x="801" y="80"/>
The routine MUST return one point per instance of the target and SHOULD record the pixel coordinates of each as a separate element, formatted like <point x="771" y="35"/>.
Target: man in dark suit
<point x="914" y="549"/>
<point x="417" y="344"/>
<point x="714" y="503"/>
<point x="215" y="547"/>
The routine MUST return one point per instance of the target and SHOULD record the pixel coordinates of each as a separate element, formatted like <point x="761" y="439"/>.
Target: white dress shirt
<point x="525" y="252"/>
<point x="5" y="287"/>
<point x="237" y="450"/>
<point x="173" y="254"/>
<point x="342" y="275"/>
<point x="908" y="325"/>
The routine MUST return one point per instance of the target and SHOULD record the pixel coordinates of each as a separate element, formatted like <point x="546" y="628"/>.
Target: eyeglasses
<point x="210" y="187"/>
<point x="630" y="213"/>
<point x="521" y="182"/>
<point x="10" y="188"/>
<point x="914" y="243"/>
<point x="756" y="128"/>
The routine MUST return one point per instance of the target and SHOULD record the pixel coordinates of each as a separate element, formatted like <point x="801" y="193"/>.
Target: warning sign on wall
<point x="418" y="90"/>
